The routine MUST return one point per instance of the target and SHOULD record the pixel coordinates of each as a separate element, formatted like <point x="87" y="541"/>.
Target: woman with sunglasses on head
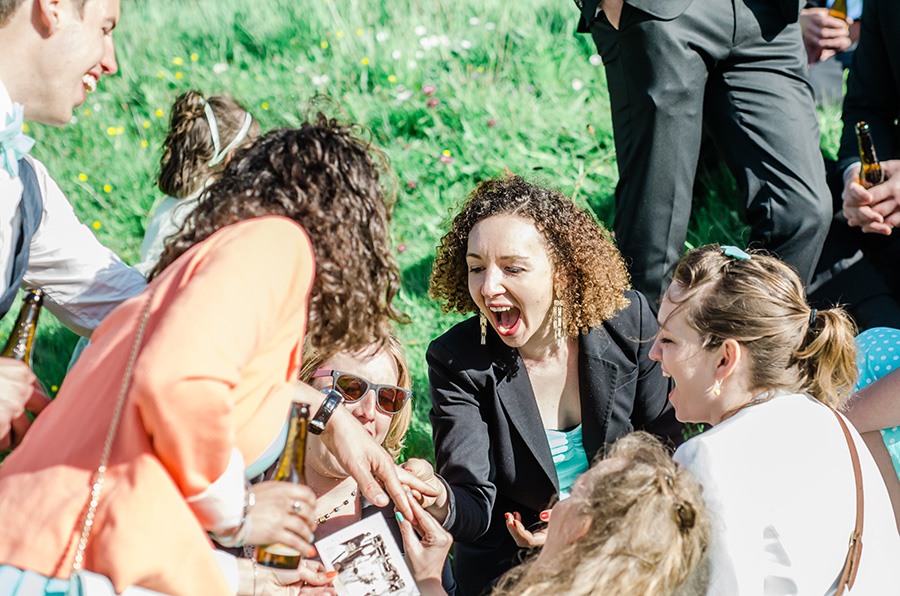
<point x="797" y="502"/>
<point x="290" y="244"/>
<point x="552" y="368"/>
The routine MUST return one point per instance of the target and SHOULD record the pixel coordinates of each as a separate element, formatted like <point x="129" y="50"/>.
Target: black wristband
<point x="332" y="401"/>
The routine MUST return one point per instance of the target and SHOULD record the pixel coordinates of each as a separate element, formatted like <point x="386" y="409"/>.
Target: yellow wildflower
<point x="111" y="131"/>
<point x="82" y="177"/>
<point x="97" y="225"/>
<point x="106" y="188"/>
<point x="195" y="57"/>
<point x="177" y="61"/>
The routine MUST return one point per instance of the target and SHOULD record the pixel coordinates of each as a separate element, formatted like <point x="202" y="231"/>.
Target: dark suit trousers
<point x="740" y="68"/>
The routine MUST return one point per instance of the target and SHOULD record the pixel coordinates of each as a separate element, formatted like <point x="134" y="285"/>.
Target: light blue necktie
<point x="14" y="144"/>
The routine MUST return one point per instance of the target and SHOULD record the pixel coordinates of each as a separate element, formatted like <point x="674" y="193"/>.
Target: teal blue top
<point x="569" y="457"/>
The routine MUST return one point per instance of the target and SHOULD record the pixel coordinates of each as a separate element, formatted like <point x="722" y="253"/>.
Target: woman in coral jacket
<point x="291" y="242"/>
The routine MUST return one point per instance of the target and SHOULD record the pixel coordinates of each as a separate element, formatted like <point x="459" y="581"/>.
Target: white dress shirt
<point x="82" y="279"/>
<point x="778" y="482"/>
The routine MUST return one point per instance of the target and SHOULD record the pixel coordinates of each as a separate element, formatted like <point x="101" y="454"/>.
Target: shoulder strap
<point x="31" y="209"/>
<point x="851" y="564"/>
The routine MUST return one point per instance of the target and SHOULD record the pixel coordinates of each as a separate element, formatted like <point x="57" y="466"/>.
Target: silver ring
<point x="295" y="508"/>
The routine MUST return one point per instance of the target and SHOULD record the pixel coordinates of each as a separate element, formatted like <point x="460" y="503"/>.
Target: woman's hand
<point x="364" y="459"/>
<point x="426" y="545"/>
<point x="283" y="513"/>
<point x="19" y="391"/>
<point x="310" y="579"/>
<point x="438" y="505"/>
<point x="524" y="538"/>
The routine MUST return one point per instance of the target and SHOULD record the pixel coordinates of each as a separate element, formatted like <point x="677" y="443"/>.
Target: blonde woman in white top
<point x="752" y="359"/>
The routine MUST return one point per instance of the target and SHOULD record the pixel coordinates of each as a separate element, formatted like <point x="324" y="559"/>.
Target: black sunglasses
<point x="391" y="398"/>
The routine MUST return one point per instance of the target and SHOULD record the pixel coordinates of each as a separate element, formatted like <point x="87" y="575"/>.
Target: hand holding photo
<point x="367" y="559"/>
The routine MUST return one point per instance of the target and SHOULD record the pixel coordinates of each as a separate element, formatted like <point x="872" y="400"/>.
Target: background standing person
<point x="551" y="369"/>
<point x="829" y="41"/>
<point x="858" y="267"/>
<point x="740" y="69"/>
<point x="51" y="55"/>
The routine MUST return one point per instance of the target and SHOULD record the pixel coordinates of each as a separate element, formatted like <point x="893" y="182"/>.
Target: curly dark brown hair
<point x="591" y="270"/>
<point x="328" y="181"/>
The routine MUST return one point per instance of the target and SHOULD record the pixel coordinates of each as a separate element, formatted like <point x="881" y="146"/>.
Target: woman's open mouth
<point x="506" y="319"/>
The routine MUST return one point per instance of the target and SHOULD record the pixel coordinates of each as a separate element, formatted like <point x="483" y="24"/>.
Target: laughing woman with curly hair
<point x="552" y="368"/>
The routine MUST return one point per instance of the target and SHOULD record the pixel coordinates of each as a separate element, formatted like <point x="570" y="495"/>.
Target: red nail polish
<point x="312" y="552"/>
<point x="331" y="574"/>
<point x="545" y="515"/>
<point x="508" y="517"/>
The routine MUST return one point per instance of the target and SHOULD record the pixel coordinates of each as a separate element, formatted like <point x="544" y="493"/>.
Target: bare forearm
<point x="876" y="406"/>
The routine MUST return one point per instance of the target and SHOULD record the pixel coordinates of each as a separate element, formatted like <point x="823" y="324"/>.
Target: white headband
<point x="221" y="153"/>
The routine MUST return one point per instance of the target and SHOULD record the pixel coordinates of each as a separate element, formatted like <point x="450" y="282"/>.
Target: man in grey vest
<point x="737" y="67"/>
<point x="52" y="53"/>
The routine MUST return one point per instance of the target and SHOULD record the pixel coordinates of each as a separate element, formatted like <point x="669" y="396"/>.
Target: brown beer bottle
<point x="870" y="172"/>
<point x="838" y="9"/>
<point x="21" y="338"/>
<point x="289" y="469"/>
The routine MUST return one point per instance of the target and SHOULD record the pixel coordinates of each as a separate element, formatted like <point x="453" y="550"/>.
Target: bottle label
<point x="281" y="550"/>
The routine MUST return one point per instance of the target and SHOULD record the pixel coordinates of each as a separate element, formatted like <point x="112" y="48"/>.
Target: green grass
<point x="515" y="85"/>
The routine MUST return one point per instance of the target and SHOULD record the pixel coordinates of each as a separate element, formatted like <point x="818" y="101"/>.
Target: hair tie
<point x="213" y="128"/>
<point x="735" y="253"/>
<point x="219" y="153"/>
<point x="812" y="316"/>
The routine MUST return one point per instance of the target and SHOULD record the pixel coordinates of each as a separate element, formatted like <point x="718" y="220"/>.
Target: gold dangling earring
<point x="558" y="330"/>
<point x="717" y="388"/>
<point x="483" y="320"/>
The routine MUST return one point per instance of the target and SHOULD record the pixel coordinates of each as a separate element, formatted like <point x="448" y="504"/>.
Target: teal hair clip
<point x="735" y="253"/>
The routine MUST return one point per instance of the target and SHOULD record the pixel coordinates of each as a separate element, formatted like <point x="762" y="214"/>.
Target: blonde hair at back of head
<point x="189" y="147"/>
<point x="649" y="533"/>
<point x="313" y="360"/>
<point x="760" y="302"/>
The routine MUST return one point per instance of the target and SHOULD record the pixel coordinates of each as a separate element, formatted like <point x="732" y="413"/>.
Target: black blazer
<point x="667" y="10"/>
<point x="873" y="85"/>
<point x="490" y="444"/>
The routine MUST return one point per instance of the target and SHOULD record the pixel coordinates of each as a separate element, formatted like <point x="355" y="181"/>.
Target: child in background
<point x="203" y="135"/>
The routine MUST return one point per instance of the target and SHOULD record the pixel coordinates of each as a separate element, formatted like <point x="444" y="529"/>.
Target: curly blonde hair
<point x="584" y="258"/>
<point x="313" y="359"/>
<point x="649" y="533"/>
